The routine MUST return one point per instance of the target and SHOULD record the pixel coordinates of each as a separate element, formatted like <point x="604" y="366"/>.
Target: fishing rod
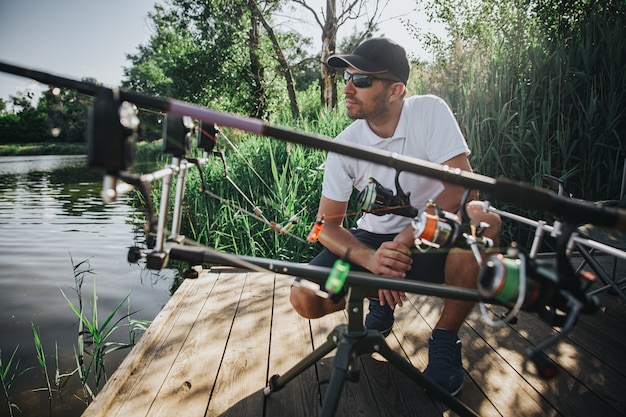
<point x="556" y="294"/>
<point x="516" y="193"/>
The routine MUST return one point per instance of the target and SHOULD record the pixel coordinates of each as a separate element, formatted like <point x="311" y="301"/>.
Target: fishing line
<point x="246" y="161"/>
<point x="272" y="225"/>
<point x="506" y="190"/>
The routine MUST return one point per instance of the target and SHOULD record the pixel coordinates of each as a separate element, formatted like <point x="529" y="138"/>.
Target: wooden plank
<point x="508" y="393"/>
<point x="133" y="384"/>
<point x="511" y="343"/>
<point x="609" y="319"/>
<point x="188" y="377"/>
<point x="598" y="387"/>
<point x="608" y="347"/>
<point x="356" y="397"/>
<point x="243" y="371"/>
<point x="415" y="321"/>
<point x="211" y="348"/>
<point x="395" y="393"/>
<point x="291" y="341"/>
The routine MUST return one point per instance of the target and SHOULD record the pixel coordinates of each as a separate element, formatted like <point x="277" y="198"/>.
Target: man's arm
<point x="391" y="259"/>
<point x="450" y="197"/>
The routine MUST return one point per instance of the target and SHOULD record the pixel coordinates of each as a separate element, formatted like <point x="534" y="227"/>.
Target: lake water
<point x="51" y="214"/>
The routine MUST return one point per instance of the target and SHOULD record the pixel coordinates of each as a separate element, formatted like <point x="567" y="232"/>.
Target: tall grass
<point x="283" y="183"/>
<point x="9" y="370"/>
<point x="43" y="364"/>
<point x="530" y="106"/>
<point x="95" y="336"/>
<point x="43" y="148"/>
<point x="95" y="340"/>
<point x="280" y="179"/>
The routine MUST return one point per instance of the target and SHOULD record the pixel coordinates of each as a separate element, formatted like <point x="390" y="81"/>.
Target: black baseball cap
<point x="375" y="56"/>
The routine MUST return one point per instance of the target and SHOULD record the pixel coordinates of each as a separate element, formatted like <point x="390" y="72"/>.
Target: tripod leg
<point x="333" y="392"/>
<point x="342" y="367"/>
<point x="434" y="389"/>
<point x="276" y="382"/>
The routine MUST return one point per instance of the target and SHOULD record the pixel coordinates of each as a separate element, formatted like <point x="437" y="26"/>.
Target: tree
<point x="329" y="21"/>
<point x="197" y="54"/>
<point x="280" y="56"/>
<point x="22" y="101"/>
<point x="256" y="67"/>
<point x="66" y="113"/>
<point x="200" y="52"/>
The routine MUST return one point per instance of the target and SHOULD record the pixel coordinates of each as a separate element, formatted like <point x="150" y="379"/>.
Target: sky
<point x="91" y="38"/>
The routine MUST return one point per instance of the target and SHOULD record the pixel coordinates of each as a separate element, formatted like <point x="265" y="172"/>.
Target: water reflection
<point x="51" y="217"/>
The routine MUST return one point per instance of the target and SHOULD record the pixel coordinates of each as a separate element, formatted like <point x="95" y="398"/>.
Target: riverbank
<point x="144" y="149"/>
<point x="43" y="148"/>
<point x="53" y="218"/>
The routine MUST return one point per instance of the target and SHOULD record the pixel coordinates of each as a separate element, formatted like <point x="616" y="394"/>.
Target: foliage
<point x="66" y="112"/>
<point x="60" y="115"/>
<point x="276" y="180"/>
<point x="537" y="89"/>
<point x="43" y="148"/>
<point x="9" y="370"/>
<point x="94" y="336"/>
<point x="197" y="54"/>
<point x="23" y="127"/>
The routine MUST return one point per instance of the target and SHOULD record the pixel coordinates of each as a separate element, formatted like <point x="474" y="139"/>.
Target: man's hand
<point x="392" y="259"/>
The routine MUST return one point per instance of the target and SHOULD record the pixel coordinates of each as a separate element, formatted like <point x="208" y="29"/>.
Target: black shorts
<point x="427" y="266"/>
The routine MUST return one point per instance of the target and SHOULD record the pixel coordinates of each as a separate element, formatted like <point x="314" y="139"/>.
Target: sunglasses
<point x="363" y="80"/>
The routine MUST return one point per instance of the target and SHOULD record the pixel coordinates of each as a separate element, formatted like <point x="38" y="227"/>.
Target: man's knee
<point x="311" y="306"/>
<point x="477" y="214"/>
<point x="300" y="301"/>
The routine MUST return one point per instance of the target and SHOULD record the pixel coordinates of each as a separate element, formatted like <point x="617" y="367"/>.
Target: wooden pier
<point x="221" y="336"/>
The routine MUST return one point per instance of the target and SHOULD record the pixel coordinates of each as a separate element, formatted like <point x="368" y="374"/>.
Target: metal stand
<point x="353" y="340"/>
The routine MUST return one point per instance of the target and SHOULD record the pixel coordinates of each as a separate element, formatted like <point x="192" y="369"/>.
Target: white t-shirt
<point x="427" y="130"/>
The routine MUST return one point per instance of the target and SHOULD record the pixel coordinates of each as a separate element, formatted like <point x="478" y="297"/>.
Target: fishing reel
<point x="379" y="200"/>
<point x="518" y="281"/>
<point x="437" y="228"/>
<point x="555" y="291"/>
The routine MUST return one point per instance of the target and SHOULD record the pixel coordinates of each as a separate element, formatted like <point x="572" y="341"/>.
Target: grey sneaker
<point x="379" y="317"/>
<point x="444" y="360"/>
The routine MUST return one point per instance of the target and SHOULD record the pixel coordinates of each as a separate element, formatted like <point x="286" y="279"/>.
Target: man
<point x="422" y="127"/>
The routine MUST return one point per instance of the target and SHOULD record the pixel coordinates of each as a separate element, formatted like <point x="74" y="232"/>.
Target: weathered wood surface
<point x="213" y="347"/>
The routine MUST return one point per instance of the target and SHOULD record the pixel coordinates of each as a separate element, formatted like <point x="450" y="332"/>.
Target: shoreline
<point x="43" y="148"/>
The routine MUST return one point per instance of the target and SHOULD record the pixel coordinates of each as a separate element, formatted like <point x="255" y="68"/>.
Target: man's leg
<point x="310" y="305"/>
<point x="444" y="346"/>
<point x="462" y="270"/>
<point x="306" y="302"/>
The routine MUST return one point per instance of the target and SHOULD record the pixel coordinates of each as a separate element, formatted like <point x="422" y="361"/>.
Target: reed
<point x="9" y="370"/>
<point x="278" y="181"/>
<point x="529" y="106"/>
<point x="43" y="364"/>
<point x="94" y="340"/>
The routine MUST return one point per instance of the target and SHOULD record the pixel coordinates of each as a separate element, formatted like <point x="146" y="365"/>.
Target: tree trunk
<point x="329" y="41"/>
<point x="255" y="63"/>
<point x="282" y="61"/>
